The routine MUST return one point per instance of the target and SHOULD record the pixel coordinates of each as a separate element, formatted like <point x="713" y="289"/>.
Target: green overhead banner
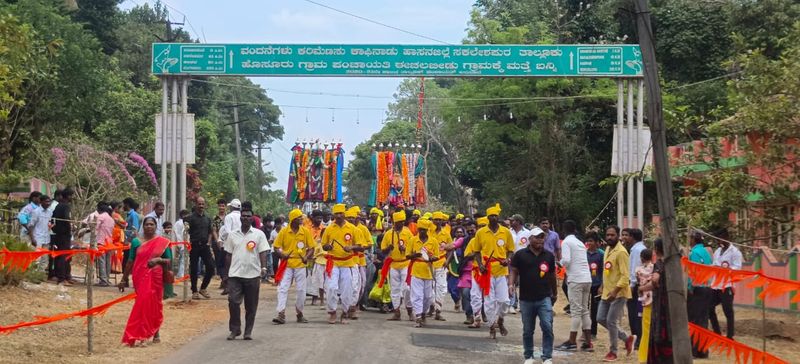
<point x="380" y="60"/>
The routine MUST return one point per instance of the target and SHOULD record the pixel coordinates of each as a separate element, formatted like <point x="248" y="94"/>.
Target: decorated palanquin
<point x="398" y="178"/>
<point x="315" y="173"/>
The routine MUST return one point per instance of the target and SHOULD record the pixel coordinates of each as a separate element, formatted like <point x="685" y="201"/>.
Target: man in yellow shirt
<point x="363" y="240"/>
<point x="338" y="241"/>
<point x="490" y="249"/>
<point x="316" y="287"/>
<point x="424" y="250"/>
<point x="394" y="245"/>
<point x="294" y="247"/>
<point x="616" y="292"/>
<point x="445" y="241"/>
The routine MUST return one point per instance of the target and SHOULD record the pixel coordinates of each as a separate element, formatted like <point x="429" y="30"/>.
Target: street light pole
<point x="238" y="150"/>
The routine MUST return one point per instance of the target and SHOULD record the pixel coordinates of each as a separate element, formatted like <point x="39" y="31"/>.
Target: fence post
<point x="185" y="259"/>
<point x="90" y="284"/>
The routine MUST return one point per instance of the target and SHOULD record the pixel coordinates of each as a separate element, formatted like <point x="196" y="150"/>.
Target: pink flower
<point x="121" y="166"/>
<point x="60" y="160"/>
<point x="142" y="163"/>
<point x="103" y="172"/>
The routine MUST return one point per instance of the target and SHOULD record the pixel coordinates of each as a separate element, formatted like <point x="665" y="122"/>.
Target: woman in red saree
<point x="147" y="263"/>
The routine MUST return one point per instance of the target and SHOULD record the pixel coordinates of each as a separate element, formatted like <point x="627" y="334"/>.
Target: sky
<point x="299" y="21"/>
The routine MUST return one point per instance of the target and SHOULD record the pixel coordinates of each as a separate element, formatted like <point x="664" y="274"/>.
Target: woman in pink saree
<point x="149" y="257"/>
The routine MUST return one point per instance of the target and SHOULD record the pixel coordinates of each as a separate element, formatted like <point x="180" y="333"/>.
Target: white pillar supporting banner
<point x="629" y="158"/>
<point x="640" y="158"/>
<point x="620" y="168"/>
<point x="173" y="161"/>
<point x="183" y="129"/>
<point x="164" y="118"/>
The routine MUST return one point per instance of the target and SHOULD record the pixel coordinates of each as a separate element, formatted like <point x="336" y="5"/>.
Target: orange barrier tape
<point x="41" y="320"/>
<point x="719" y="276"/>
<point x="97" y="310"/>
<point x="707" y="340"/>
<point x="19" y="260"/>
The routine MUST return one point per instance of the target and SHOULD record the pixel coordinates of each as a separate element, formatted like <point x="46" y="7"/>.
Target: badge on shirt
<point x="501" y="242"/>
<point x="608" y="267"/>
<point x="401" y="243"/>
<point x="543" y="268"/>
<point x="523" y="241"/>
<point x="725" y="265"/>
<point x="300" y="245"/>
<point x="347" y="237"/>
<point x="251" y="245"/>
<point x="593" y="266"/>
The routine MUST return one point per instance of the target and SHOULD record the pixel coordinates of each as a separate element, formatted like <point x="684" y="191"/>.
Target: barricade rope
<point x="707" y="340"/>
<point x="94" y="311"/>
<point x="721" y="276"/>
<point x="22" y="260"/>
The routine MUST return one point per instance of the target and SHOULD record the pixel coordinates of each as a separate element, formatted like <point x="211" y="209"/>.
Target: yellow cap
<point x="482" y="221"/>
<point x="417" y="213"/>
<point x="295" y="214"/>
<point x="494" y="210"/>
<point x="352" y="212"/>
<point x="459" y="216"/>
<point x="339" y="208"/>
<point x="377" y="211"/>
<point x="427" y="215"/>
<point x="438" y="215"/>
<point x="424" y="224"/>
<point x="399" y="216"/>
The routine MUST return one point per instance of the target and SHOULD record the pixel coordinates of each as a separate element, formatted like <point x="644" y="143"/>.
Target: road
<point x="371" y="339"/>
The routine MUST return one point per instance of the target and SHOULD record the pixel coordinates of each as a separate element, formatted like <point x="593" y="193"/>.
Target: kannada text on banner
<point x="621" y="60"/>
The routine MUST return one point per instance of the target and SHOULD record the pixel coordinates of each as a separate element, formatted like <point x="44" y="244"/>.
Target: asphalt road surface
<point x="370" y="339"/>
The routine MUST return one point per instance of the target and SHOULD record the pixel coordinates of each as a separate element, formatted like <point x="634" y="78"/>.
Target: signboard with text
<point x="375" y="60"/>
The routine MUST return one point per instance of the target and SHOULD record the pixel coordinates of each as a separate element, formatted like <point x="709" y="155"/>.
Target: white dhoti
<point x="317" y="276"/>
<point x="476" y="299"/>
<point x="400" y="291"/>
<point x="298" y="275"/>
<point x="421" y="292"/>
<point x="497" y="300"/>
<point x="357" y="283"/>
<point x="440" y="287"/>
<point x="340" y="283"/>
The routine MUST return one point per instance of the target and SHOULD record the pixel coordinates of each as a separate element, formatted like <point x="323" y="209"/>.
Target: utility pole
<point x="238" y="149"/>
<point x="676" y="286"/>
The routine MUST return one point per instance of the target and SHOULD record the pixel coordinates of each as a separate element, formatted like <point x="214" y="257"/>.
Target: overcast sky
<point x="298" y="21"/>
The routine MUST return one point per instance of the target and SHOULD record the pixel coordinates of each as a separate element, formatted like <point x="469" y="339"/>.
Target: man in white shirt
<point x="520" y="235"/>
<point x="726" y="256"/>
<point x="178" y="230"/>
<point x="245" y="261"/>
<point x="24" y="215"/>
<point x="232" y="221"/>
<point x="579" y="286"/>
<point x="633" y="238"/>
<point x="39" y="228"/>
<point x="158" y="214"/>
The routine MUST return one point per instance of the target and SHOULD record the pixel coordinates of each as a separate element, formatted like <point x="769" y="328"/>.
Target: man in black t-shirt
<point x="200" y="236"/>
<point x="536" y="270"/>
<point x="62" y="236"/>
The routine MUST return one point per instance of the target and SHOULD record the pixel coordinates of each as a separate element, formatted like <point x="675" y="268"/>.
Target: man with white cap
<point x="521" y="236"/>
<point x="423" y="251"/>
<point x="338" y="241"/>
<point x="490" y="249"/>
<point x="445" y="241"/>
<point x="294" y="247"/>
<point x="232" y="221"/>
<point x="394" y="244"/>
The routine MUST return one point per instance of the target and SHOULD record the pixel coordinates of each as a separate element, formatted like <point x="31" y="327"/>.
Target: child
<point x="643" y="275"/>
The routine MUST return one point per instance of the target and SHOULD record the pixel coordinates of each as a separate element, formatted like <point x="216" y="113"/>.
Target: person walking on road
<point x="424" y="250"/>
<point x="579" y="283"/>
<point x="396" y="264"/>
<point x="245" y="262"/>
<point x="338" y="240"/>
<point x="294" y="246"/>
<point x="535" y="270"/>
<point x="445" y="241"/>
<point x="726" y="256"/>
<point x="201" y="237"/>
<point x="616" y="292"/>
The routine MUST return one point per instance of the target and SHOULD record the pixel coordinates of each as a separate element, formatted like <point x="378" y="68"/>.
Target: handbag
<point x="169" y="276"/>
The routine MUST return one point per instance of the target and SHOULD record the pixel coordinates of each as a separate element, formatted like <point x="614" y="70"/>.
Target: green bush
<point x="9" y="277"/>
